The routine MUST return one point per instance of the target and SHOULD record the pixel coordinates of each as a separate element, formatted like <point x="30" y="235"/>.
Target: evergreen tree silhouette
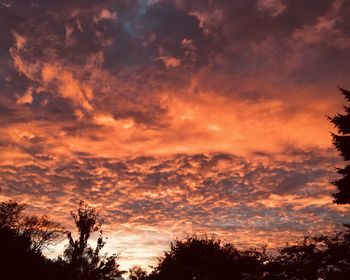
<point x="341" y="141"/>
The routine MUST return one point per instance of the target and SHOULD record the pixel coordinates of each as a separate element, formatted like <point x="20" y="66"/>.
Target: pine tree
<point x="341" y="141"/>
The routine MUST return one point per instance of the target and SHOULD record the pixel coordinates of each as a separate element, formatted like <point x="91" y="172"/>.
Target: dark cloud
<point x="148" y="48"/>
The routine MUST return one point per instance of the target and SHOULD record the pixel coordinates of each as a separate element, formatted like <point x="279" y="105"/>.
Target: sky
<point x="175" y="117"/>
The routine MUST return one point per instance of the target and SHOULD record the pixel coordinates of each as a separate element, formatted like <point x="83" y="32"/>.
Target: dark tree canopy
<point x="323" y="257"/>
<point x="40" y="230"/>
<point x="22" y="239"/>
<point x="341" y="141"/>
<point x="316" y="258"/>
<point x="207" y="259"/>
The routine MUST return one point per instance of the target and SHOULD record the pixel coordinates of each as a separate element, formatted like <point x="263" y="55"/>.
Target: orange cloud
<point x="174" y="117"/>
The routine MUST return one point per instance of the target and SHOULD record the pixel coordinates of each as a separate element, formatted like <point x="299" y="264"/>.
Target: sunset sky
<point x="174" y="116"/>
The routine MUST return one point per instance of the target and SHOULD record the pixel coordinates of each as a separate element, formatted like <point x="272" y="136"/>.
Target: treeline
<point x="23" y="238"/>
<point x="315" y="258"/>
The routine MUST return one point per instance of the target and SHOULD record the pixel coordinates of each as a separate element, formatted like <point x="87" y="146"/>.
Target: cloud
<point x="27" y="97"/>
<point x="105" y="15"/>
<point x="170" y="62"/>
<point x="273" y="7"/>
<point x="20" y="40"/>
<point x="324" y="29"/>
<point x="175" y="116"/>
<point x="204" y="193"/>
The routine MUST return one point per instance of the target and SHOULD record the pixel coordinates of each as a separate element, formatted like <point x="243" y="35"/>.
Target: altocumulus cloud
<point x="174" y="116"/>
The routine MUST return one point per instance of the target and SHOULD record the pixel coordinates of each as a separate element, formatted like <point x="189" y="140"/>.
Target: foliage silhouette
<point x="137" y="273"/>
<point x="20" y="247"/>
<point x="84" y="262"/>
<point x="10" y="213"/>
<point x="341" y="141"/>
<point x="315" y="258"/>
<point x="40" y="230"/>
<point x="323" y="257"/>
<point x="23" y="237"/>
<point x="208" y="259"/>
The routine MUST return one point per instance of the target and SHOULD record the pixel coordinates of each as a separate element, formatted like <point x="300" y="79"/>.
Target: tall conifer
<point x="341" y="141"/>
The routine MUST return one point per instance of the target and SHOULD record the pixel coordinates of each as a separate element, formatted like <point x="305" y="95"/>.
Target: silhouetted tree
<point x="341" y="142"/>
<point x="20" y="255"/>
<point x="137" y="273"/>
<point x="316" y="258"/>
<point x="207" y="259"/>
<point x="40" y="230"/>
<point x="84" y="262"/>
<point x="10" y="213"/>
